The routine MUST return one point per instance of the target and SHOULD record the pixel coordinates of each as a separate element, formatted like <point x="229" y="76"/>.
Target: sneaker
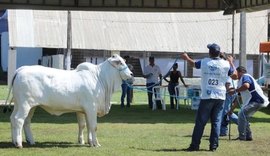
<point x="213" y="149"/>
<point x="241" y="139"/>
<point x="222" y="135"/>
<point x="192" y="149"/>
<point x="249" y="136"/>
<point x="249" y="139"/>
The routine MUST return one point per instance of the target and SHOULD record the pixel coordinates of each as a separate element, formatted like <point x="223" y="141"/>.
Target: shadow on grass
<point x="135" y="114"/>
<point x="4" y="145"/>
<point x="266" y="110"/>
<point x="168" y="150"/>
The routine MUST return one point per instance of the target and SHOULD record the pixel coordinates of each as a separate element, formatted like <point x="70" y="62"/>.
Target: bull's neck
<point x="109" y="77"/>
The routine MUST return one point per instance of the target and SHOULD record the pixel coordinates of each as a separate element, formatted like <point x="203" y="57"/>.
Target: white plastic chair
<point x="181" y="94"/>
<point x="159" y="93"/>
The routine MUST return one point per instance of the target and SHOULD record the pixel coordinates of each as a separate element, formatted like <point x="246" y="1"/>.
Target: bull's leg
<point x="27" y="128"/>
<point x="81" y="124"/>
<point x="12" y="120"/>
<point x="19" y="118"/>
<point x="91" y="121"/>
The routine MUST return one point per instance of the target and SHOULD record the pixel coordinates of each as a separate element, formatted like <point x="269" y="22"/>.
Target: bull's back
<point x="45" y="85"/>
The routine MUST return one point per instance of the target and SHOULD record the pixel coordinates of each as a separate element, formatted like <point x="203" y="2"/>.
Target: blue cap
<point x="214" y="47"/>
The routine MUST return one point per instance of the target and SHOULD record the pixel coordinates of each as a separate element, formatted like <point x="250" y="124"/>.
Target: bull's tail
<point x="8" y="106"/>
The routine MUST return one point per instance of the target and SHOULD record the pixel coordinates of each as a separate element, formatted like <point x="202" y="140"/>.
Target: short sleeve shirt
<point x="214" y="72"/>
<point x="155" y="70"/>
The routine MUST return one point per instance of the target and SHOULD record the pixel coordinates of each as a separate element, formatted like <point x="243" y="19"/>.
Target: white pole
<point x="67" y="57"/>
<point x="242" y="50"/>
<point x="233" y="22"/>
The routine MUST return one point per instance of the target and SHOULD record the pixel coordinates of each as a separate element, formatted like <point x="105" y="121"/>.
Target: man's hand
<point x="184" y="56"/>
<point x="148" y="75"/>
<point x="231" y="91"/>
<point x="230" y="58"/>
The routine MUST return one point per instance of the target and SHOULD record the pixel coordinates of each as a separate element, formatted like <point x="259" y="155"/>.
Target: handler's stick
<point x="229" y="129"/>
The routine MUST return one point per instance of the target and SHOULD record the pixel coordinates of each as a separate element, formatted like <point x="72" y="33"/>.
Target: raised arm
<point x="230" y="60"/>
<point x="185" y="56"/>
<point x="234" y="74"/>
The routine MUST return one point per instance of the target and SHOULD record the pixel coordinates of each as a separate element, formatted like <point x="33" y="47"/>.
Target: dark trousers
<point x="171" y="89"/>
<point x="208" y="108"/>
<point x="126" y="90"/>
<point x="150" y="96"/>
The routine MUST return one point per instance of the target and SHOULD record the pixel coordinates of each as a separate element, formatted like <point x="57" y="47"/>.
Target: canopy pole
<point x="233" y="21"/>
<point x="243" y="40"/>
<point x="67" y="57"/>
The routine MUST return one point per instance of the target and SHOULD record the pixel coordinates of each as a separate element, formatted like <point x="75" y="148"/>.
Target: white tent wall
<point x="169" y="32"/>
<point x="25" y="56"/>
<point x="134" y="31"/>
<point x="35" y="28"/>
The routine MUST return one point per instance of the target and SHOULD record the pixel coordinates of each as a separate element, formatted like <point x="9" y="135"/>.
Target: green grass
<point x="3" y="92"/>
<point x="133" y="131"/>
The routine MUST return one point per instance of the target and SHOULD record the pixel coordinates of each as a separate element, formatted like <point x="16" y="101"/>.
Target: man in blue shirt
<point x="214" y="74"/>
<point x="253" y="99"/>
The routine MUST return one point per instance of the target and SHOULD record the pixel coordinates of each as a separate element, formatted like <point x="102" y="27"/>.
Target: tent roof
<point x="140" y="5"/>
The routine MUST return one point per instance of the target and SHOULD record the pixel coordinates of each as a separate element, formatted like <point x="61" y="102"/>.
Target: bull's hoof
<point x="94" y="144"/>
<point x="18" y="145"/>
<point x="81" y="142"/>
<point x="98" y="145"/>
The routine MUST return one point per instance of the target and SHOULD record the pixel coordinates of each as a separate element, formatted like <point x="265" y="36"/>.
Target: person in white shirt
<point x="153" y="76"/>
<point x="215" y="72"/>
<point x="253" y="99"/>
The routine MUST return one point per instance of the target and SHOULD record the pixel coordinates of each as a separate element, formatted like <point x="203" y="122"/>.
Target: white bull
<point x="87" y="90"/>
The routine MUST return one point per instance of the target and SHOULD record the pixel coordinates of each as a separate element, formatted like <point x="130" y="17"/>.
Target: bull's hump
<point x="86" y="66"/>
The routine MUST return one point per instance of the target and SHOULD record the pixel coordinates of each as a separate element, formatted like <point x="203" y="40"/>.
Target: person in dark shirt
<point x="174" y="81"/>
